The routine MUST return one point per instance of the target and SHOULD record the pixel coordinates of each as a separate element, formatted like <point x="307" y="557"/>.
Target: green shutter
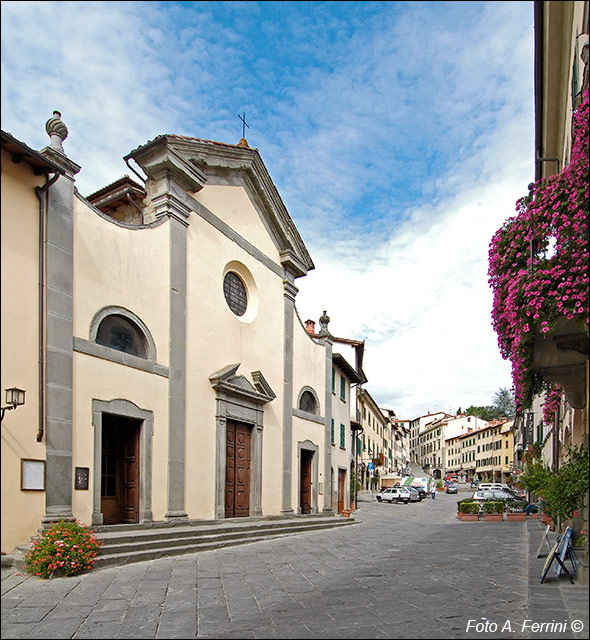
<point x="342" y="436"/>
<point x="332" y="432"/>
<point x="333" y="380"/>
<point x="342" y="388"/>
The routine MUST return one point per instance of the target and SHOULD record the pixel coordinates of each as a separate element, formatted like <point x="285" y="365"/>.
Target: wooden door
<point x="120" y="470"/>
<point x="305" y="498"/>
<point x="130" y="488"/>
<point x="341" y="486"/>
<point x="237" y="470"/>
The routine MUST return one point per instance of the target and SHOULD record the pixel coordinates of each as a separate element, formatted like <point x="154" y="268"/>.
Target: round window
<point x="235" y="294"/>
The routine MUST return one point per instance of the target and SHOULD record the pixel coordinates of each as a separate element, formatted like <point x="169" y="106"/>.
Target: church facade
<point x="153" y="325"/>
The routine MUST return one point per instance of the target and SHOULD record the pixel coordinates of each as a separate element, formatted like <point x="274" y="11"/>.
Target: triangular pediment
<point x="242" y="166"/>
<point x="228" y="381"/>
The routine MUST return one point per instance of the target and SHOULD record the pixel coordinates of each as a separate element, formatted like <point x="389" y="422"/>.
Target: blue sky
<point x="399" y="134"/>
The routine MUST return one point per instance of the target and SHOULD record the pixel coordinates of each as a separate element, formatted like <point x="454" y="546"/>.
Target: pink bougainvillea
<point x="552" y="402"/>
<point x="538" y="263"/>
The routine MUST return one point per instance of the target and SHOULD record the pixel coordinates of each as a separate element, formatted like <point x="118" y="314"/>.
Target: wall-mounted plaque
<point x="32" y="475"/>
<point x="81" y="481"/>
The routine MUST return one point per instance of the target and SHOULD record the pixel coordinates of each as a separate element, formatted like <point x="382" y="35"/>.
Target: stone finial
<point x="57" y="132"/>
<point x="324" y="320"/>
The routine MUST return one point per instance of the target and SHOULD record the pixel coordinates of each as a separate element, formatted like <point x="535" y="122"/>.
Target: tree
<point x="502" y="407"/>
<point x="504" y="403"/>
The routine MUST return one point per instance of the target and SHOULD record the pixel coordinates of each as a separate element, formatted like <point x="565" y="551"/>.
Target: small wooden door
<point x="120" y="470"/>
<point x="341" y="486"/>
<point x="305" y="499"/>
<point x="237" y="470"/>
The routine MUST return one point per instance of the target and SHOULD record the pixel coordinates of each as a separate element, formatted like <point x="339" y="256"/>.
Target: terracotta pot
<point x="516" y="517"/>
<point x="459" y="515"/>
<point x="346" y="513"/>
<point x="493" y="517"/>
<point x="469" y="517"/>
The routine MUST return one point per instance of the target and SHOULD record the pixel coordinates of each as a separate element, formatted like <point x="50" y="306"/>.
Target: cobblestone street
<point x="404" y="571"/>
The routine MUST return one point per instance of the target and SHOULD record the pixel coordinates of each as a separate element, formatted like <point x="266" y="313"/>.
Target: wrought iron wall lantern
<point x="14" y="398"/>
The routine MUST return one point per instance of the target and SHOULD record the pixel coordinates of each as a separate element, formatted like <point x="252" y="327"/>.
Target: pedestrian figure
<point x="433" y="491"/>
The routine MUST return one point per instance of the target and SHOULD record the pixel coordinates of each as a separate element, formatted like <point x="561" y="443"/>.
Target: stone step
<point x="149" y="543"/>
<point x="128" y="543"/>
<point x="156" y="536"/>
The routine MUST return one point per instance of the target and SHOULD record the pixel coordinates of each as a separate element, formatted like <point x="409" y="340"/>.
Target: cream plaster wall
<point x="21" y="510"/>
<point x="233" y="205"/>
<point x="118" y="266"/>
<point x="216" y="338"/>
<point x="115" y="265"/>
<point x="309" y="370"/>
<point x="341" y="457"/>
<point x="308" y="431"/>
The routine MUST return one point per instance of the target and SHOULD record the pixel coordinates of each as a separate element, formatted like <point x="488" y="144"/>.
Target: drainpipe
<point x="134" y="171"/>
<point x="42" y="195"/>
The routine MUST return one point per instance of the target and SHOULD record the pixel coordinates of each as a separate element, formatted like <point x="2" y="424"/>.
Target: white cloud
<point x="398" y="134"/>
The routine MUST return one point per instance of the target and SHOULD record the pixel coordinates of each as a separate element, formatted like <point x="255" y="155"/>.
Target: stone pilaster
<point x="59" y="329"/>
<point x="289" y="293"/>
<point x="326" y="340"/>
<point x="177" y="365"/>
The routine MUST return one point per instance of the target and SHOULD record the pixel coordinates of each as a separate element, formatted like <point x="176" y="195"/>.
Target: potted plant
<point x="580" y="544"/>
<point x="493" y="511"/>
<point x="515" y="511"/>
<point x="459" y="503"/>
<point x="66" y="548"/>
<point x="469" y="511"/>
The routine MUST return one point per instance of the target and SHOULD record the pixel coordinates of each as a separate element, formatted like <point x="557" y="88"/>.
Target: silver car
<point x="482" y="496"/>
<point x="414" y="494"/>
<point x="394" y="494"/>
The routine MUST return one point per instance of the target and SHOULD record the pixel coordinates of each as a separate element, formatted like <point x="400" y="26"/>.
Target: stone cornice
<point x="227" y="381"/>
<point x="61" y="160"/>
<point x="158" y="159"/>
<point x="205" y="155"/>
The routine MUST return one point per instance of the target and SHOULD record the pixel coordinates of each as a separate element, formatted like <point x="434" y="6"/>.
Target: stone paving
<point x="404" y="571"/>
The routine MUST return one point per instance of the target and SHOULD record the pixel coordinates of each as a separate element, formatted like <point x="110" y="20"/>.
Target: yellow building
<point x="373" y="440"/>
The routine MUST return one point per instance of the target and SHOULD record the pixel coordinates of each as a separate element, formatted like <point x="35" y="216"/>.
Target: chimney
<point x="310" y="326"/>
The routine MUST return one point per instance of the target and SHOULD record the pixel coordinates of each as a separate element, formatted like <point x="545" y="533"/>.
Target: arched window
<point x="120" y="333"/>
<point x="307" y="402"/>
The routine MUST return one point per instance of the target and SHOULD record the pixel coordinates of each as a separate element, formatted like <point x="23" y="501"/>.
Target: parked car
<point x="482" y="496"/>
<point x="394" y="494"/>
<point x="420" y="490"/>
<point x="451" y="488"/>
<point x="414" y="494"/>
<point x="490" y="486"/>
<point x="517" y="493"/>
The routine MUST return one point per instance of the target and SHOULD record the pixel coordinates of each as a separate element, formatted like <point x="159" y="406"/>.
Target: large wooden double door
<point x="237" y="470"/>
<point x="119" y="498"/>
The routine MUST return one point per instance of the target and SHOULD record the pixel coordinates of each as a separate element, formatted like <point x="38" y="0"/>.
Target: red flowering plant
<point x="538" y="263"/>
<point x="64" y="548"/>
